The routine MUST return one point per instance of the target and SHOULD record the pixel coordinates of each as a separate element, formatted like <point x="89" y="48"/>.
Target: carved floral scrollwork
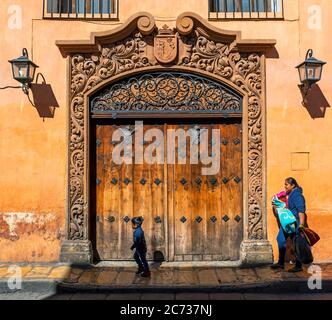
<point x="198" y="53"/>
<point x="209" y="56"/>
<point x="123" y="57"/>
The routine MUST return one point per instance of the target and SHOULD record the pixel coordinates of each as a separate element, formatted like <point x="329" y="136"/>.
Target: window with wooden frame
<point x="80" y="9"/>
<point x="246" y="9"/>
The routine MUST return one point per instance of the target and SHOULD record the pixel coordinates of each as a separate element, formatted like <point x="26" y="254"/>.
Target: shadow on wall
<point x="314" y="101"/>
<point x="44" y="99"/>
<point x="272" y="53"/>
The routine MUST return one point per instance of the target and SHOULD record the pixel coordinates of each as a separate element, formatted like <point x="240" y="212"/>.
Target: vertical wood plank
<point x="99" y="191"/>
<point x="126" y="203"/>
<point x="197" y="202"/>
<point x="111" y="207"/>
<point x="213" y="203"/>
<point x="158" y="200"/>
<point x="182" y="208"/>
<point x="166" y="214"/>
<point x="226" y="195"/>
<point x="172" y="217"/>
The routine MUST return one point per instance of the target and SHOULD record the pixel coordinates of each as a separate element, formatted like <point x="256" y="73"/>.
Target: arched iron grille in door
<point x="166" y="92"/>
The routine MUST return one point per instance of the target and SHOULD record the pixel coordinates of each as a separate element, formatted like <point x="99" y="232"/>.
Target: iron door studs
<point x="183" y="219"/>
<point x="237" y="179"/>
<point x="225" y="180"/>
<point x="110" y="219"/>
<point x="224" y="142"/>
<point x="225" y="218"/>
<point x="157" y="181"/>
<point x="213" y="181"/>
<point x="183" y="181"/>
<point x="157" y="219"/>
<point x="237" y="141"/>
<point x="237" y="218"/>
<point x="213" y="219"/>
<point x="126" y="181"/>
<point x="198" y="219"/>
<point x="198" y="181"/>
<point x="126" y="219"/>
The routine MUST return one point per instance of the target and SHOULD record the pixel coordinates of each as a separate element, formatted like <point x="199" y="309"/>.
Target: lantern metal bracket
<point x="309" y="54"/>
<point x="10" y="87"/>
<point x="25" y="88"/>
<point x="306" y="86"/>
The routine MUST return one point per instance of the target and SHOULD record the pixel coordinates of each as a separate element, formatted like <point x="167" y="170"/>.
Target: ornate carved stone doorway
<point x="193" y="47"/>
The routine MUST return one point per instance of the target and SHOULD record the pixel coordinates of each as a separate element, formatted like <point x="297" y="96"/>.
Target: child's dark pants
<point x="140" y="258"/>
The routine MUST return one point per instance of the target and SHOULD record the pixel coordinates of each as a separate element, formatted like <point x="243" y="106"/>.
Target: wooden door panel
<point x="209" y="203"/>
<point x="198" y="201"/>
<point x="149" y="184"/>
<point x="181" y="205"/>
<point x="232" y="191"/>
<point x="158" y="206"/>
<point x="122" y="192"/>
<point x="201" y="214"/>
<point x="126" y="200"/>
<point x="114" y="199"/>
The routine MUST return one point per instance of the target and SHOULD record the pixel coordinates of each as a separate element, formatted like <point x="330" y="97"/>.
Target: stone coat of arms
<point x="165" y="46"/>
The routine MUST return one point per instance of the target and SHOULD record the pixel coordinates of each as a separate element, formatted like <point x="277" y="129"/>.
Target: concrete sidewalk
<point x="64" y="278"/>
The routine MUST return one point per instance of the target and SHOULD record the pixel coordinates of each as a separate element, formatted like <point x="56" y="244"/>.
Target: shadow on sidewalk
<point x="166" y="282"/>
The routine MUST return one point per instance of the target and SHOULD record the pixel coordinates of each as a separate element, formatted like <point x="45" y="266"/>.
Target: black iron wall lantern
<point x="310" y="70"/>
<point x="24" y="70"/>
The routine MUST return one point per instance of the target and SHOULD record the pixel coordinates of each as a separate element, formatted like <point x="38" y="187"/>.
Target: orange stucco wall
<point x="33" y="151"/>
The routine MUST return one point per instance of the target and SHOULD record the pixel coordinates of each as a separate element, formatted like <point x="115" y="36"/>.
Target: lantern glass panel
<point x="314" y="71"/>
<point x="302" y="73"/>
<point x="20" y="71"/>
<point x="32" y="70"/>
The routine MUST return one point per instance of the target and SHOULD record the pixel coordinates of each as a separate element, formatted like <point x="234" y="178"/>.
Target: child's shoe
<point x="140" y="270"/>
<point x="146" y="274"/>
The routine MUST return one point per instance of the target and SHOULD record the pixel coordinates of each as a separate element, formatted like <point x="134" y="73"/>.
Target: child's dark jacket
<point x="139" y="240"/>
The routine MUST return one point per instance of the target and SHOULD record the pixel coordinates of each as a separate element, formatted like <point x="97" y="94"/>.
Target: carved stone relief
<point x="190" y="46"/>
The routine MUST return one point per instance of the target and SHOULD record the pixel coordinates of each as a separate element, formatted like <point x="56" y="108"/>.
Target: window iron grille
<point x="81" y="9"/>
<point x="246" y="9"/>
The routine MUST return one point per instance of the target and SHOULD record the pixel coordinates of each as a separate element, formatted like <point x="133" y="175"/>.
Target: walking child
<point x="140" y="247"/>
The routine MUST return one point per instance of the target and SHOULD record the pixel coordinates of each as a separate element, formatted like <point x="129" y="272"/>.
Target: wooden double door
<point x="189" y="214"/>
